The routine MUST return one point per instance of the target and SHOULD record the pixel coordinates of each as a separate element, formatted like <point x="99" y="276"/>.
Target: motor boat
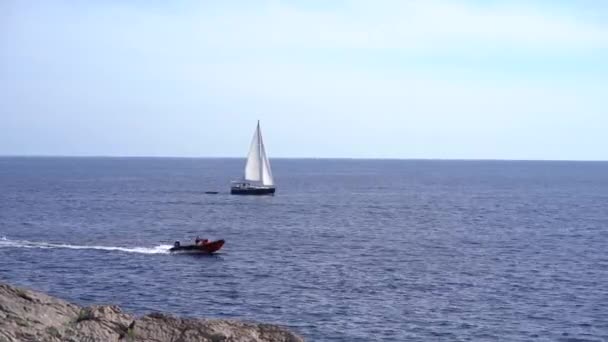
<point x="201" y="246"/>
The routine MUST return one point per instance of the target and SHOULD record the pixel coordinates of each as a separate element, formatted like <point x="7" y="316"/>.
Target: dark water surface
<point x="348" y="250"/>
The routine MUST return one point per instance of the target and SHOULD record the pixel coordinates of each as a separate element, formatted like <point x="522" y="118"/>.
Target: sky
<point x="443" y="79"/>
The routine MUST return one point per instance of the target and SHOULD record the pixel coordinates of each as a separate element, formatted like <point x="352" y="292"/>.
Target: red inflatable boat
<point x="204" y="246"/>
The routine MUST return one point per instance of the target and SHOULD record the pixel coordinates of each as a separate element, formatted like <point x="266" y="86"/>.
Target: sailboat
<point x="258" y="176"/>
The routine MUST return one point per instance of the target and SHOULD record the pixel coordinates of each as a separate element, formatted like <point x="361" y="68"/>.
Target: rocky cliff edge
<point x="33" y="316"/>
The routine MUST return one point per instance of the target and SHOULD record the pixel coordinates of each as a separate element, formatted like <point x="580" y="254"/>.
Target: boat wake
<point x="6" y="243"/>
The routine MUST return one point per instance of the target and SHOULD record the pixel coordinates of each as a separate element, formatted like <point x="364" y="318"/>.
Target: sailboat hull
<point x="252" y="191"/>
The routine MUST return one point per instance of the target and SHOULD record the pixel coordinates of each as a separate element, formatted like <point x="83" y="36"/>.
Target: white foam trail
<point x="160" y="249"/>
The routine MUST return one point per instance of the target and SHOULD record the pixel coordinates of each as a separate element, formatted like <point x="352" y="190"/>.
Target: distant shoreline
<point x="307" y="158"/>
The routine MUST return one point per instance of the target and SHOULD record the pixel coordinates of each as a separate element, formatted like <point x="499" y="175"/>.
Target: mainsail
<point x="257" y="168"/>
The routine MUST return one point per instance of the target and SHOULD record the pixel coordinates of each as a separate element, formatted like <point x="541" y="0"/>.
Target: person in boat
<point x="200" y="242"/>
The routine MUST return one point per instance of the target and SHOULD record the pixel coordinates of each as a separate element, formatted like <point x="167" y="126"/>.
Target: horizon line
<point x="294" y="158"/>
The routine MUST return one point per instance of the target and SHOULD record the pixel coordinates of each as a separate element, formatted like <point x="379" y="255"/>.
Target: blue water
<point x="348" y="250"/>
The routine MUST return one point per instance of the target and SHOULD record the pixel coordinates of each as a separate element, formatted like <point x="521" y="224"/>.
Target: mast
<point x="260" y="160"/>
<point x="266" y="175"/>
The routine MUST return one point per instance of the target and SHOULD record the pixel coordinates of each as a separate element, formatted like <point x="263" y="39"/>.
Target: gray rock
<point x="32" y="316"/>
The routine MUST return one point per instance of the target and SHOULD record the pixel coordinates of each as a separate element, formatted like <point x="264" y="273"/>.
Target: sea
<point x="347" y="250"/>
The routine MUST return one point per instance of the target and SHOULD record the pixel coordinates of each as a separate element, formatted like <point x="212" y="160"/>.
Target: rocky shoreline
<point x="27" y="315"/>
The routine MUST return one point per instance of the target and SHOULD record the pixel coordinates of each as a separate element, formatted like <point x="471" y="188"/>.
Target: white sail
<point x="257" y="168"/>
<point x="258" y="175"/>
<point x="253" y="168"/>
<point x="266" y="171"/>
